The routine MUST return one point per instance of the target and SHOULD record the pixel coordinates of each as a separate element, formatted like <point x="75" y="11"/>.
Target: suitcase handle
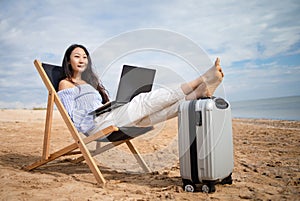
<point x="198" y="118"/>
<point x="209" y="97"/>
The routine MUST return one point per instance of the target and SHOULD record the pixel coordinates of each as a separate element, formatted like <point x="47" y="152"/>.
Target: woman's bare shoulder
<point x="65" y="84"/>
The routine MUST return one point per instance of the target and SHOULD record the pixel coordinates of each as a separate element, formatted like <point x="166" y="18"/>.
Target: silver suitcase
<point x="205" y="143"/>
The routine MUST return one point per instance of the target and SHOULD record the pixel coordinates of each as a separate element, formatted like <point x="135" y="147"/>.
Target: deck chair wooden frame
<point x="80" y="143"/>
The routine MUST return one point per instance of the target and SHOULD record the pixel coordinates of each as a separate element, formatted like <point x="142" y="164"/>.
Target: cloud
<point x="239" y="32"/>
<point x="235" y="29"/>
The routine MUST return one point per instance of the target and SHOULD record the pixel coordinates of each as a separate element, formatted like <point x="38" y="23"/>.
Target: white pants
<point x="145" y="109"/>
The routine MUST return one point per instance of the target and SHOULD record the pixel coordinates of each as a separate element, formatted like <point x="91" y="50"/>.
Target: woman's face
<point x="78" y="60"/>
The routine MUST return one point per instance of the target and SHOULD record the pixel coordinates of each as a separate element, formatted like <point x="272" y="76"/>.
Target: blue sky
<point x="258" y="43"/>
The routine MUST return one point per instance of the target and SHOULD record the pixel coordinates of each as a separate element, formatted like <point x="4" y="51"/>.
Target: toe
<point x="217" y="62"/>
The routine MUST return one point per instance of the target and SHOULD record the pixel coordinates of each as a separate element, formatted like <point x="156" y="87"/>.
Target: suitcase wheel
<point x="188" y="186"/>
<point x="227" y="180"/>
<point x="208" y="187"/>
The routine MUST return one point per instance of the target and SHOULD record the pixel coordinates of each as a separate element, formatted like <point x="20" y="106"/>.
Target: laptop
<point x="134" y="80"/>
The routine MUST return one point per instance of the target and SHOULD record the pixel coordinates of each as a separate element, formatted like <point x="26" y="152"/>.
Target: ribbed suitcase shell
<point x="205" y="140"/>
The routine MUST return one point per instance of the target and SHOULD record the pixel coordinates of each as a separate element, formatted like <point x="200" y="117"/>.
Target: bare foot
<point x="205" y="85"/>
<point x="213" y="77"/>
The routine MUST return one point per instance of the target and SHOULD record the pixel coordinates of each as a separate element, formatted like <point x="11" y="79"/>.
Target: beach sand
<point x="266" y="154"/>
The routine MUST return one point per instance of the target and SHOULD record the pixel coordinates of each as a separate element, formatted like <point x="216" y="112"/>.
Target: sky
<point x="258" y="43"/>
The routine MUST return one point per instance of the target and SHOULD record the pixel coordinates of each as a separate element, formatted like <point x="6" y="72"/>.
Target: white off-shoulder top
<point x="79" y="101"/>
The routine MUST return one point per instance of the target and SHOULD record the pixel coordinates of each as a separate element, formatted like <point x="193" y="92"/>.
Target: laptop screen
<point x="134" y="80"/>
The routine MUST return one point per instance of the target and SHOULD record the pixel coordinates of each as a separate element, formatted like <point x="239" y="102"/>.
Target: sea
<point x="282" y="108"/>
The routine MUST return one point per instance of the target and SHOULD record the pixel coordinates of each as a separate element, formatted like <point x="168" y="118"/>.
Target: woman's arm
<point x="67" y="99"/>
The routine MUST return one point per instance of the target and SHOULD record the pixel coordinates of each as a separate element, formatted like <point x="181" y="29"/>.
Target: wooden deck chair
<point x="51" y="75"/>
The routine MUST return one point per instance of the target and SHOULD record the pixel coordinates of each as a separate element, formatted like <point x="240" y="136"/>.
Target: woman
<point x="81" y="93"/>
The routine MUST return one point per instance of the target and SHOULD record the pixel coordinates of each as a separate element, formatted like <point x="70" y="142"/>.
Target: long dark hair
<point x="88" y="75"/>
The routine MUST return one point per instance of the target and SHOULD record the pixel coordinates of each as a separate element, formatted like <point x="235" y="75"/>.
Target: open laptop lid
<point x="134" y="80"/>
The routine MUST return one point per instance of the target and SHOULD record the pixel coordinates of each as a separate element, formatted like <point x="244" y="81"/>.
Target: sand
<point x="266" y="154"/>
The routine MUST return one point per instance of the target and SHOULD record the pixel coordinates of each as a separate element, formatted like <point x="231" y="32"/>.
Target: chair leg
<point x="91" y="163"/>
<point x="138" y="157"/>
<point x="47" y="135"/>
